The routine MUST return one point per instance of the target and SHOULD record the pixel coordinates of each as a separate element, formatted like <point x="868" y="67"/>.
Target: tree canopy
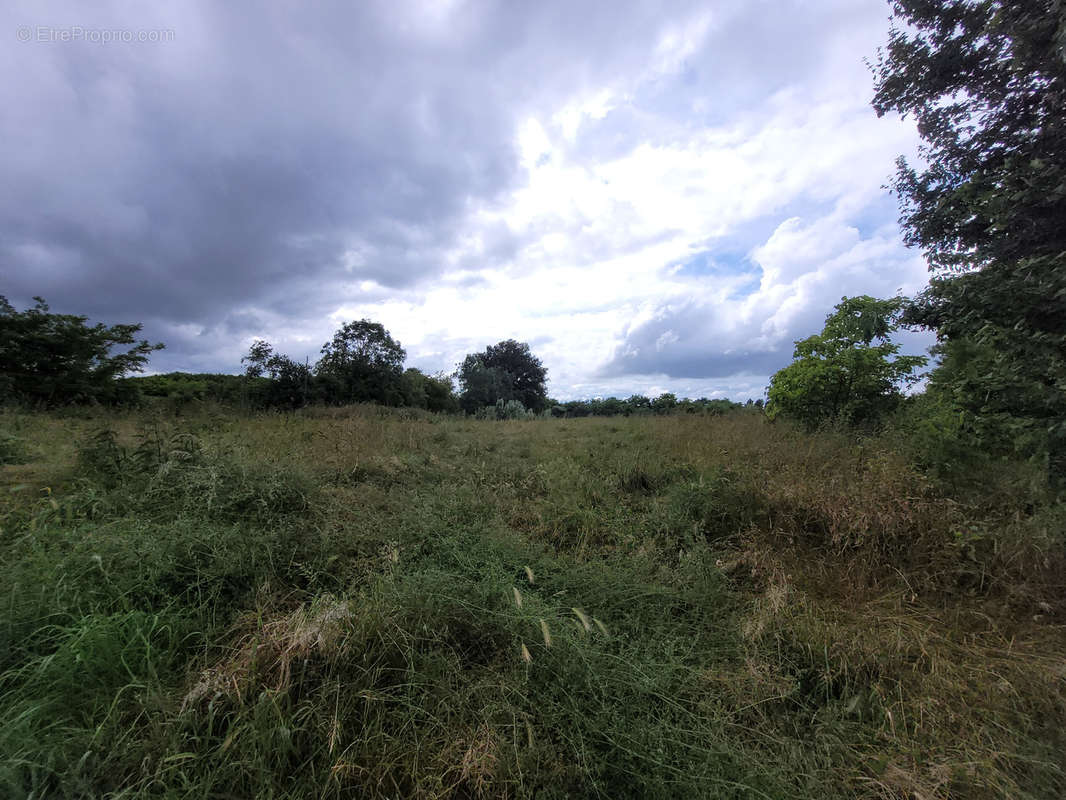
<point x="850" y="371"/>
<point x="289" y="381"/>
<point x="986" y="82"/>
<point x="504" y="371"/>
<point x="362" y="363"/>
<point x="52" y="359"/>
<point x="431" y="392"/>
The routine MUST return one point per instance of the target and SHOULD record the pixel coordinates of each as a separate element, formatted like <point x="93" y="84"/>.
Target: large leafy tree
<point x="986" y="82"/>
<point x="51" y="359"/>
<point x="362" y="363"/>
<point x="504" y="371"/>
<point x="850" y="372"/>
<point x="482" y="385"/>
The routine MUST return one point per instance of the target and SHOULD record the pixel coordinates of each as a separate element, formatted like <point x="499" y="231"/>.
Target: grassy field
<point x="358" y="603"/>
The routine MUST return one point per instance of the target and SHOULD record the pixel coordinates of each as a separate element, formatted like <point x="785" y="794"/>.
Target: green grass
<point x="348" y="602"/>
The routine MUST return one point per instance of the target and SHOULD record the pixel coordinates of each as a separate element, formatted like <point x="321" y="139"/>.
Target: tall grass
<point x="349" y="602"/>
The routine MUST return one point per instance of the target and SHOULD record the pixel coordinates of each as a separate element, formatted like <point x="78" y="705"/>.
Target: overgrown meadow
<point x="360" y="602"/>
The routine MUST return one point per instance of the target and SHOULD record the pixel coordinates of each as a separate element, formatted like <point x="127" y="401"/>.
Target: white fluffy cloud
<point x="790" y="189"/>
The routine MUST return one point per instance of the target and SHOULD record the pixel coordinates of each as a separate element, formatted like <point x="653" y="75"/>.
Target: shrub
<point x="505" y="409"/>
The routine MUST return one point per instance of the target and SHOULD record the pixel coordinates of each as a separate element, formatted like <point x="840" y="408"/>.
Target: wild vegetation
<point x="384" y="603"/>
<point x="51" y="359"/>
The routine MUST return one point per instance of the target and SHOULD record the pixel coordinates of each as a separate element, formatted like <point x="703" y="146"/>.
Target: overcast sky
<point x="656" y="196"/>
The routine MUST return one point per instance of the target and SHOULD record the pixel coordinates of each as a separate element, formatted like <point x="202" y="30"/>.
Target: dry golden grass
<point x="263" y="651"/>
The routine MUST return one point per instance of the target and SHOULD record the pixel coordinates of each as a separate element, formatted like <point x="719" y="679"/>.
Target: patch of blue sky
<point x="748" y="287"/>
<point x="724" y="262"/>
<point x="875" y="215"/>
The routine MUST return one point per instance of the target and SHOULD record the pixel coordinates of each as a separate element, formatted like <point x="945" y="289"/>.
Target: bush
<point x="936" y="437"/>
<point x="505" y="409"/>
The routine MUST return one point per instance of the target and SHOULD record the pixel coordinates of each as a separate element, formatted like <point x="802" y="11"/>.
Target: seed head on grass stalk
<point x="584" y="619"/>
<point x="547" y="634"/>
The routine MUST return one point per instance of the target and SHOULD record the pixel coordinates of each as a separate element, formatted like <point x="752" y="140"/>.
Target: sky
<point x="656" y="196"/>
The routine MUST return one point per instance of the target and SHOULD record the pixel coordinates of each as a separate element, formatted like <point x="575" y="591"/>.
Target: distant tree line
<point x="51" y="359"/>
<point x="362" y="363"/>
<point x="639" y="405"/>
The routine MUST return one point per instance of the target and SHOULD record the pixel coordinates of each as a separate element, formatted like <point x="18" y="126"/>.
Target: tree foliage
<point x="482" y="385"/>
<point x="504" y="371"/>
<point x="639" y="405"/>
<point x="51" y="359"/>
<point x="986" y="82"/>
<point x="362" y="363"/>
<point x="289" y="383"/>
<point x="431" y="392"/>
<point x="850" y="371"/>
<point x="259" y="359"/>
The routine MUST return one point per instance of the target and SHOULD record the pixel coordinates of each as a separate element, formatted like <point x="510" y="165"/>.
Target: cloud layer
<point x="654" y="201"/>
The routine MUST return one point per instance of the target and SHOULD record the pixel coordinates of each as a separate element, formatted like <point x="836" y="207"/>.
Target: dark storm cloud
<point x="272" y="158"/>
<point x="686" y="341"/>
